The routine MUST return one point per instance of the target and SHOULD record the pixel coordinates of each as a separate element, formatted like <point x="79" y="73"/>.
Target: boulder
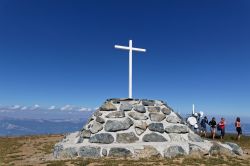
<point x="126" y="137"/>
<point x="219" y="149"/>
<point x="176" y="137"/>
<point x="119" y="152"/>
<point x="177" y="128"/>
<point x="116" y="114"/>
<point x="148" y="102"/>
<point x="174" y="151"/>
<point x="126" y="107"/>
<point x="166" y="111"/>
<point x="236" y="149"/>
<point x="173" y="119"/>
<point x="137" y="115"/>
<point x="95" y="127"/>
<point x="87" y="151"/>
<point x="153" y="109"/>
<point x="69" y="152"/>
<point x="108" y="106"/>
<point x="100" y="119"/>
<point x="196" y="151"/>
<point x="115" y="125"/>
<point x="102" y="138"/>
<point x="86" y="134"/>
<point x="158" y="127"/>
<point x="147" y="152"/>
<point x="141" y="124"/>
<point x="156" y="117"/>
<point x="140" y="108"/>
<point x="139" y="131"/>
<point x="98" y="113"/>
<point x="58" y="148"/>
<point x="153" y="137"/>
<point x="194" y="137"/>
<point x="104" y="152"/>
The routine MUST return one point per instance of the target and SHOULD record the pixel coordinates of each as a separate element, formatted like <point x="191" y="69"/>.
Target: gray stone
<point x="158" y="103"/>
<point x="176" y="137"/>
<point x="103" y="138"/>
<point x="115" y="125"/>
<point x="57" y="150"/>
<point x="126" y="137"/>
<point x="69" y="152"/>
<point x="139" y="131"/>
<point x="177" y="128"/>
<point x="173" y="119"/>
<point x="108" y="106"/>
<point x="156" y="127"/>
<point x="104" y="152"/>
<point x="152" y="109"/>
<point x="174" y="151"/>
<point x="140" y="108"/>
<point x="86" y="134"/>
<point x="79" y="139"/>
<point x="194" y="137"/>
<point x="147" y="152"/>
<point x="87" y="151"/>
<point x="119" y="152"/>
<point x="100" y="119"/>
<point x="157" y="117"/>
<point x="137" y="115"/>
<point x="218" y="149"/>
<point x="126" y="107"/>
<point x="236" y="149"/>
<point x="153" y="137"/>
<point x="98" y="113"/>
<point x="95" y="127"/>
<point x="196" y="151"/>
<point x="116" y="114"/>
<point x="166" y="110"/>
<point x="141" y="124"/>
<point x="148" y="102"/>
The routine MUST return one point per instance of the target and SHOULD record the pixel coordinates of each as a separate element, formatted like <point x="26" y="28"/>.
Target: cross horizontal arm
<point x="128" y="48"/>
<point x="139" y="49"/>
<point x="122" y="47"/>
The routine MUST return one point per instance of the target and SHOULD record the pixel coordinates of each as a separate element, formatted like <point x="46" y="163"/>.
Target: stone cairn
<point x="138" y="128"/>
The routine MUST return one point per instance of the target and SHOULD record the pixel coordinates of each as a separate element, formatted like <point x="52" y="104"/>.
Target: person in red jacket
<point x="221" y="126"/>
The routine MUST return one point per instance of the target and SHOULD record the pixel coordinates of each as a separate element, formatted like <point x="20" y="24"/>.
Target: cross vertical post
<point x="130" y="70"/>
<point x="131" y="49"/>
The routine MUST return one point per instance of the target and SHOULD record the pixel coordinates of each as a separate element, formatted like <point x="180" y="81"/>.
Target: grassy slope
<point x="37" y="150"/>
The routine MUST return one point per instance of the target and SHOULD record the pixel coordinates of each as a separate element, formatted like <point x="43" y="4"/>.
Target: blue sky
<point x="62" y="52"/>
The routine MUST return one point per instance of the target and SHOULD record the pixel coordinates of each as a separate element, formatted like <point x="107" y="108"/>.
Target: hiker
<point x="221" y="127"/>
<point x="204" y="121"/>
<point x="238" y="128"/>
<point x="212" y="125"/>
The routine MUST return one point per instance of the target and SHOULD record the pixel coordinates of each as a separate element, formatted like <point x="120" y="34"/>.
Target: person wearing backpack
<point x="221" y="127"/>
<point x="204" y="123"/>
<point x="212" y="125"/>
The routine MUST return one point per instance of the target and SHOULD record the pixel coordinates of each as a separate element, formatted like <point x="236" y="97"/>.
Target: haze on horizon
<point x="62" y="53"/>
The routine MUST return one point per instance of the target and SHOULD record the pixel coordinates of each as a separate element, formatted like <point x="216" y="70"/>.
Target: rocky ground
<point x="37" y="150"/>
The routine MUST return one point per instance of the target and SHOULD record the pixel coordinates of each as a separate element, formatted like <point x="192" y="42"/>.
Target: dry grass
<point x="37" y="150"/>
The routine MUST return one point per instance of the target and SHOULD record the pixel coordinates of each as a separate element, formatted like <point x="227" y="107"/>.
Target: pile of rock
<point x="137" y="128"/>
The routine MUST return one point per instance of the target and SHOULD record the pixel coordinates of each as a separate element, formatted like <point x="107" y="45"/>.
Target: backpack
<point x="218" y="127"/>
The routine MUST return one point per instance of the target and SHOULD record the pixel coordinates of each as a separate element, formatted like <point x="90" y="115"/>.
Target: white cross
<point x="130" y="48"/>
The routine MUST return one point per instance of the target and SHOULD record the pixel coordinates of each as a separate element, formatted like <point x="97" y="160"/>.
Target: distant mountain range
<point x="22" y="120"/>
<point x="15" y="127"/>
